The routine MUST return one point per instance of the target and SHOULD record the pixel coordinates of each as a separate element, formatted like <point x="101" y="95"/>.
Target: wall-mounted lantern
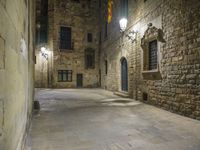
<point x="123" y="25"/>
<point x="44" y="52"/>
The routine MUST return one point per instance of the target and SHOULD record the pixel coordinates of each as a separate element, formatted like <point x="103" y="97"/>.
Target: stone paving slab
<point x="94" y="119"/>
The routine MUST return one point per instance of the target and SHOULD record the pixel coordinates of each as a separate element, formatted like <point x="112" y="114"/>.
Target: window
<point x="151" y="43"/>
<point x="99" y="37"/>
<point x="99" y="3"/>
<point x="153" y="48"/>
<point x="89" y="37"/>
<point x="65" y="38"/>
<point x="106" y="67"/>
<point x="89" y="59"/>
<point x="64" y="75"/>
<point x="106" y="30"/>
<point x="89" y="2"/>
<point x="124" y="8"/>
<point x="42" y="22"/>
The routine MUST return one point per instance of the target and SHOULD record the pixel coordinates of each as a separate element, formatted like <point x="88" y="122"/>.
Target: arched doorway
<point x="124" y="74"/>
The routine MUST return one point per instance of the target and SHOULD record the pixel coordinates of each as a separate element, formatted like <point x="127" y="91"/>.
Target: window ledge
<point x="152" y="74"/>
<point x="64" y="81"/>
<point x="150" y="71"/>
<point x="89" y="68"/>
<point x="66" y="50"/>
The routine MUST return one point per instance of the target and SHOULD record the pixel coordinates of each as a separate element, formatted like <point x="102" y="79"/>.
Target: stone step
<point x="122" y="94"/>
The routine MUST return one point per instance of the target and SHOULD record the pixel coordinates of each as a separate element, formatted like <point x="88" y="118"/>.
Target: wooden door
<point x="79" y="80"/>
<point x="124" y="75"/>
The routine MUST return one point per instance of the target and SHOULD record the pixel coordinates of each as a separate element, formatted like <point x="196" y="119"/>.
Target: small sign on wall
<point x="23" y="48"/>
<point x="2" y="53"/>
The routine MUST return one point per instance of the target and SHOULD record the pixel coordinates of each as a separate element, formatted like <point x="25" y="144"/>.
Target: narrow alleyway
<point x="94" y="119"/>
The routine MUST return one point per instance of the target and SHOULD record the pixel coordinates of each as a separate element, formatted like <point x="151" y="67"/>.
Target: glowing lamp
<point x="44" y="52"/>
<point x="123" y="24"/>
<point x="43" y="49"/>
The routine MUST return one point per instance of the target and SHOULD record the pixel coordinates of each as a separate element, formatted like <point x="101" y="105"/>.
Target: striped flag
<point x="110" y="6"/>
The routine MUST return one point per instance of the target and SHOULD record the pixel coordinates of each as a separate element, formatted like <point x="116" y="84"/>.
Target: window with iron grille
<point x="89" y="59"/>
<point x="89" y="37"/>
<point x="64" y="75"/>
<point x="65" y="38"/>
<point x="153" y="48"/>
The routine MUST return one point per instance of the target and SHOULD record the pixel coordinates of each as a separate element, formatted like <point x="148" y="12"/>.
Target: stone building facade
<point x="16" y="71"/>
<point x="161" y="59"/>
<point x="72" y="47"/>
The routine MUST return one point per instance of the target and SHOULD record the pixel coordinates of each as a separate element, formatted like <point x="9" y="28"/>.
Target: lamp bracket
<point x="44" y="52"/>
<point x="45" y="56"/>
<point x="132" y="35"/>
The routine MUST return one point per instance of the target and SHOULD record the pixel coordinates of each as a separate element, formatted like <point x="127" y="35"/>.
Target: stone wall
<point x="16" y="71"/>
<point x="82" y="17"/>
<point x="41" y="70"/>
<point x="178" y="89"/>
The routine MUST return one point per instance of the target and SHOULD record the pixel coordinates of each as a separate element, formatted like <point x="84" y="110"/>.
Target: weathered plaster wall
<point x="179" y="88"/>
<point x="16" y="71"/>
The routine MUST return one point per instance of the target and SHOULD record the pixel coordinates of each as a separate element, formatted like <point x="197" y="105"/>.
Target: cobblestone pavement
<point x="94" y="119"/>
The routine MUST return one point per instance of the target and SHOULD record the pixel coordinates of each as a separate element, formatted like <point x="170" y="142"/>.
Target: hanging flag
<point x="110" y="5"/>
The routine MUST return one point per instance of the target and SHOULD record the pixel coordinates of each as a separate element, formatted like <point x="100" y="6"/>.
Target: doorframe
<point x="127" y="77"/>
<point x="77" y="80"/>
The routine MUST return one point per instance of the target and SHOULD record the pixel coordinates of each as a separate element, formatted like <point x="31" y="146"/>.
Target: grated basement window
<point x="153" y="48"/>
<point x="145" y="96"/>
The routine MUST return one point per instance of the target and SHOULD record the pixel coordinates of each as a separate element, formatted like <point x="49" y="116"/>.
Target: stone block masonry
<point x="178" y="54"/>
<point x="82" y="18"/>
